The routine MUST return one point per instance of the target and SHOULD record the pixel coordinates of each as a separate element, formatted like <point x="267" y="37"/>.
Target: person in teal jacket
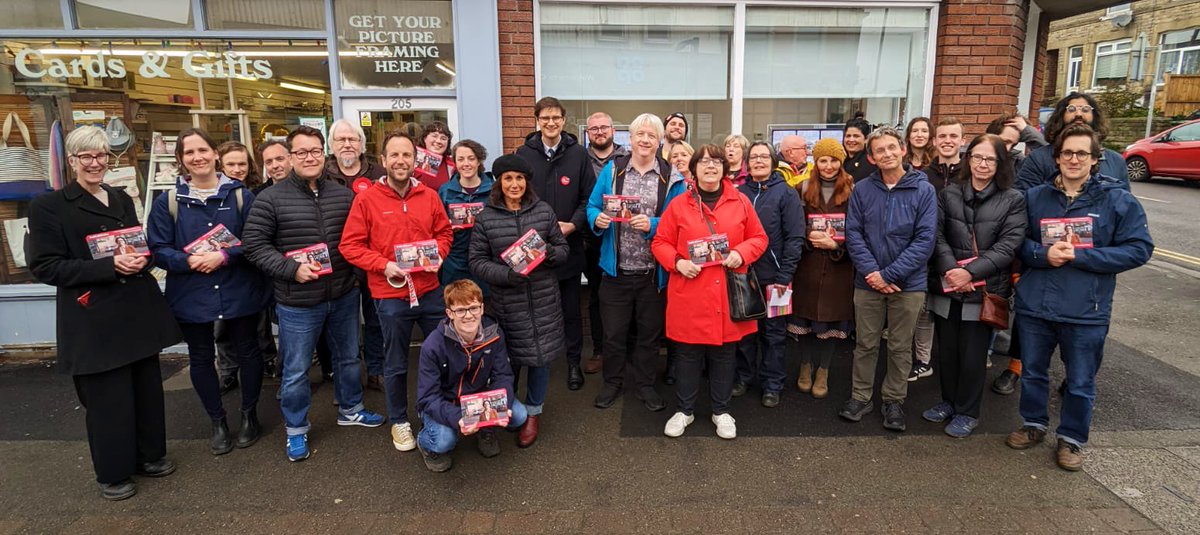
<point x="470" y="184"/>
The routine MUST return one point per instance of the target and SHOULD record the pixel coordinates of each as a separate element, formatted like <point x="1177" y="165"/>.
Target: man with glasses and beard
<point x="601" y="150"/>
<point x="1076" y="108"/>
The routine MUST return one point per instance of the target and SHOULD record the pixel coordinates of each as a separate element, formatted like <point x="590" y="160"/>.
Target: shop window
<point x="31" y="14"/>
<point x="390" y="44"/>
<point x="166" y="14"/>
<point x="1112" y="63"/>
<point x="1179" y="53"/>
<point x="272" y="15"/>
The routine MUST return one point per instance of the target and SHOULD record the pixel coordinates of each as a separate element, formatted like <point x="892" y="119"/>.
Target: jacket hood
<point x="488" y="329"/>
<point x="775" y="179"/>
<point x="486" y="180"/>
<point x="618" y="151"/>
<point x="534" y="141"/>
<point x="911" y="178"/>
<point x="224" y="186"/>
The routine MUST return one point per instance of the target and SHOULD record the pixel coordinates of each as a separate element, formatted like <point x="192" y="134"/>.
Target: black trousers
<point x="571" y="290"/>
<point x="628" y="301"/>
<point x="126" y="422"/>
<point x="963" y="347"/>
<point x="227" y="364"/>
<point x="594" y="275"/>
<point x="722" y="367"/>
<point x="242" y="334"/>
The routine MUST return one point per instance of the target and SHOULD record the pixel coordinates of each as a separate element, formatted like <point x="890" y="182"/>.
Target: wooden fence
<point x="1181" y="96"/>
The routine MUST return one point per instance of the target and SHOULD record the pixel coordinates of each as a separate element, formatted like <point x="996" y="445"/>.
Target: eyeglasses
<point x="1080" y="109"/>
<point x="1074" y="155"/>
<point x="345" y="140"/>
<point x="599" y="129"/>
<point x="463" y="312"/>
<point x="305" y="154"/>
<point x="551" y="119"/>
<point x="985" y="161"/>
<point x="710" y="162"/>
<point x="89" y="159"/>
<point x="759" y="157"/>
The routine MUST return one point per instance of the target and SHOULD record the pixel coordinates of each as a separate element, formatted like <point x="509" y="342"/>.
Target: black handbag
<point x="746" y="301"/>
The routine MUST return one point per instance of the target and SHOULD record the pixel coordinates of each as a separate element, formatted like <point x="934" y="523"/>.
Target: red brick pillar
<point x="977" y="74"/>
<point x="1039" y="71"/>
<point x="516" y="70"/>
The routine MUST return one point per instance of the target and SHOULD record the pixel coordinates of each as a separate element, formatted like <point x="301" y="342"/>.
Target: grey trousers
<point x="873" y="310"/>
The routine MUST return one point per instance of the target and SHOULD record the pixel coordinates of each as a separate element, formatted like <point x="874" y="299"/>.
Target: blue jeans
<point x="771" y="339"/>
<point x="437" y="438"/>
<point x="1081" y="348"/>
<point x="299" y="328"/>
<point x="396" y="319"/>
<point x="535" y="391"/>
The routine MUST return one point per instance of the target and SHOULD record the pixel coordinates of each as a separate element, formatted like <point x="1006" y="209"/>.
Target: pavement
<point x="793" y="469"/>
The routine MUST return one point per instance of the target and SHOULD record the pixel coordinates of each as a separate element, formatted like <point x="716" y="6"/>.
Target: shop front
<point x="245" y="71"/>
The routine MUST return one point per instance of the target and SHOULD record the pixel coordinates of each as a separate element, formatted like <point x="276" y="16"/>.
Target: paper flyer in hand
<point x="962" y="263"/>
<point x="427" y="164"/>
<point x="418" y="256"/>
<point x="622" y="208"/>
<point x="316" y="256"/>
<point x="485" y="409"/>
<point x="709" y="250"/>
<point x="832" y="224"/>
<point x="1076" y="231"/>
<point x="779" y="300"/>
<point x="212" y="241"/>
<point x="130" y="240"/>
<point x="462" y="215"/>
<point x="526" y="253"/>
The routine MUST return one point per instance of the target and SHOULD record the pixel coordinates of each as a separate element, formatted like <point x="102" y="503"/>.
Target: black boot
<point x="221" y="442"/>
<point x="250" y="430"/>
<point x="574" y="377"/>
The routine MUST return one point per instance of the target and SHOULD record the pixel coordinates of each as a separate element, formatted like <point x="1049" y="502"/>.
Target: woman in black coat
<point x="527" y="306"/>
<point x="981" y="225"/>
<point x="112" y="318"/>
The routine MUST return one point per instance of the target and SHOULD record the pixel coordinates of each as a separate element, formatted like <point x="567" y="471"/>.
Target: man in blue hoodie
<point x="891" y="227"/>
<point x="466" y="354"/>
<point x="1065" y="295"/>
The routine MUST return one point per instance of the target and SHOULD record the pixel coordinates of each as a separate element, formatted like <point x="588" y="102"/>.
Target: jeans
<point x="535" y="392"/>
<point x="243" y="337"/>
<point x="437" y="438"/>
<point x="397" y="318"/>
<point x="1081" y="348"/>
<point x="962" y="360"/>
<point x="873" y="310"/>
<point x="631" y="301"/>
<point x="571" y="291"/>
<point x="299" y="329"/>
<point x="771" y="338"/>
<point x="722" y="367"/>
<point x="372" y="344"/>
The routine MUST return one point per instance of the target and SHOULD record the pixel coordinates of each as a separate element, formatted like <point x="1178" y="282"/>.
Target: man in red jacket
<point x="398" y="211"/>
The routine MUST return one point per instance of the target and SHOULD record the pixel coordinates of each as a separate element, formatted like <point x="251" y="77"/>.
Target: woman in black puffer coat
<point x="527" y="306"/>
<point x="981" y="225"/>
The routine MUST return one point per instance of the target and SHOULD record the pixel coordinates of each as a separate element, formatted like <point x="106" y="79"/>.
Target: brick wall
<point x="980" y="46"/>
<point x="1039" y="70"/>
<point x="516" y="70"/>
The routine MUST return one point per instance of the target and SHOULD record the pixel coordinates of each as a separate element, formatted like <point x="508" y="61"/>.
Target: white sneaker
<point x="725" y="426"/>
<point x="402" y="437"/>
<point x="677" y="424"/>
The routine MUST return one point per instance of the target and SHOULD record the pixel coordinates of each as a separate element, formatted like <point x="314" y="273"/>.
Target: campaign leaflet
<point x="462" y="214"/>
<point x="214" y="240"/>
<point x="485" y="409"/>
<point x="962" y="263"/>
<point x="418" y="256"/>
<point x="622" y="208"/>
<point x="779" y="300"/>
<point x="1074" y="230"/>
<point x="428" y="164"/>
<point x="316" y="256"/>
<point x="130" y="240"/>
<point x="832" y="224"/>
<point x="709" y="250"/>
<point x="526" y="253"/>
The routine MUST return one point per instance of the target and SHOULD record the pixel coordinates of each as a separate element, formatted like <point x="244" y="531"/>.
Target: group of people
<point x="919" y="238"/>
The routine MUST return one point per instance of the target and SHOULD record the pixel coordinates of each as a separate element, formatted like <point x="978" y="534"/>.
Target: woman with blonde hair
<point x="736" y="146"/>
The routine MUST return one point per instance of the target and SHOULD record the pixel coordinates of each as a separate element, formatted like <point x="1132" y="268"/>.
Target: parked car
<point x="1174" y="152"/>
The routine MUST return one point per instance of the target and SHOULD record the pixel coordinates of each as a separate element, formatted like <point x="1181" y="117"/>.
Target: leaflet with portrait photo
<point x="462" y="214"/>
<point x="418" y="256"/>
<point x="316" y="256"/>
<point x="1074" y="230"/>
<point x="214" y="240"/>
<point x="709" y="250"/>
<point x="622" y="208"/>
<point x="131" y="240"/>
<point x="832" y="224"/>
<point x="485" y="409"/>
<point x="526" y="253"/>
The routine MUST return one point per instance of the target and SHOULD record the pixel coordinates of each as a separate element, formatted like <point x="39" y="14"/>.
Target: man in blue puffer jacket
<point x="1064" y="297"/>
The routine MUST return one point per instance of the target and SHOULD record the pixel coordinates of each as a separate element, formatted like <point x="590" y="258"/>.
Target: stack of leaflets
<point x="316" y="256"/>
<point x="130" y="240"/>
<point x="418" y="256"/>
<point x="526" y="253"/>
<point x="962" y="263"/>
<point x="1076" y="231"/>
<point x="622" y="208"/>
<point x="428" y="164"/>
<point x="833" y="225"/>
<point x="212" y="241"/>
<point x="462" y="215"/>
<point x="709" y="250"/>
<point x="485" y="409"/>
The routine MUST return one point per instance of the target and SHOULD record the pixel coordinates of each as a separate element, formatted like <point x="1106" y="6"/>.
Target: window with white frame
<point x="1118" y="9"/>
<point x="1112" y="63"/>
<point x="1179" y="53"/>
<point x="1074" y="64"/>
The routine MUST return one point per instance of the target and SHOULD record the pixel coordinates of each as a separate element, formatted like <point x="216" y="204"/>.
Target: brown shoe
<point x="820" y="387"/>
<point x="1025" y="438"/>
<point x="375" y="382"/>
<point x="528" y="433"/>
<point x="593" y="364"/>
<point x="1069" y="456"/>
<point x="804" y="382"/>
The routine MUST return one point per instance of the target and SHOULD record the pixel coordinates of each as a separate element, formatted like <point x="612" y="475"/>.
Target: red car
<point x="1174" y="153"/>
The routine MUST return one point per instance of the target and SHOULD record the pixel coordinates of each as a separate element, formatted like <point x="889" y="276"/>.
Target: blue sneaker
<point x="364" y="418"/>
<point x="939" y="413"/>
<point x="961" y="426"/>
<point x="297" y="447"/>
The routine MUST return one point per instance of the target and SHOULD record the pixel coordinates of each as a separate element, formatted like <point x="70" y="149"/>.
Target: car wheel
<point x="1139" y="170"/>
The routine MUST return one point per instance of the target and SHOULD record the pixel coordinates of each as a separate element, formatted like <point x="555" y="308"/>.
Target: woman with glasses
<point x="436" y="138"/>
<point x="117" y="378"/>
<point x="736" y="146"/>
<point x="697" y="299"/>
<point x="981" y="225"/>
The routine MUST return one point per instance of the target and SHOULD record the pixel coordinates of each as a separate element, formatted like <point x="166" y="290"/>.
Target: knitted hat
<point x="680" y="116"/>
<point x="511" y="162"/>
<point x="828" y="147"/>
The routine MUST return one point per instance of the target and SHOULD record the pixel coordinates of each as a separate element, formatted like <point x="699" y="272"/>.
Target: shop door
<point x="378" y="116"/>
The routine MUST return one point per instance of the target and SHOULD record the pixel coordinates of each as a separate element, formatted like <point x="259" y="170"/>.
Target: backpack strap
<point x="173" y="206"/>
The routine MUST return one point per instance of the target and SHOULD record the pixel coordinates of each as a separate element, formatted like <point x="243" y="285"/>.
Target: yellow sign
<point x="364" y="118"/>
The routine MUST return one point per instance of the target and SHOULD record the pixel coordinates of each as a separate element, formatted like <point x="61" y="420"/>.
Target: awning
<point x="1057" y="9"/>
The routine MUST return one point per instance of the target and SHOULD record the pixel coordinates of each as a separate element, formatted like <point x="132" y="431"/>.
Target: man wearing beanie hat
<point x="676" y="126"/>
<point x="794" y="165"/>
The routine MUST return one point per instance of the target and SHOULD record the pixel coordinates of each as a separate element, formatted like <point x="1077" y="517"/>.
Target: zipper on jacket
<point x="754" y="203"/>
<point x="324" y="237"/>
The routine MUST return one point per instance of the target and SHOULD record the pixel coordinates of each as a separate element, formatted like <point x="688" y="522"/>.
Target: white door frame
<point x="351" y="106"/>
